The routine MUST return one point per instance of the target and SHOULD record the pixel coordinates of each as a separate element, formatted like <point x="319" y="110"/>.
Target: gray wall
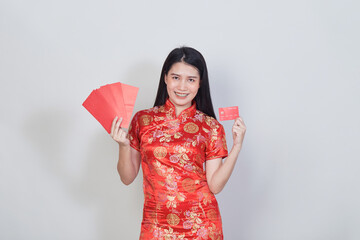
<point x="292" y="67"/>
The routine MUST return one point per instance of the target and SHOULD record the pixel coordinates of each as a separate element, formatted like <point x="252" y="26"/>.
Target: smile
<point x="181" y="94"/>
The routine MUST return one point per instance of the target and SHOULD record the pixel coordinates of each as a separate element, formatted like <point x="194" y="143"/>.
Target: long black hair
<point x="193" y="57"/>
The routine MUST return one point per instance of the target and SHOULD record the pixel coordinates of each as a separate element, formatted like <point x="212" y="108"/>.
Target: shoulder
<point x="146" y="116"/>
<point x="207" y="120"/>
<point x="150" y="111"/>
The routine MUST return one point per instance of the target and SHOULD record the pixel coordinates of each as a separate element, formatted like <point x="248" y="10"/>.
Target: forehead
<point x="185" y="69"/>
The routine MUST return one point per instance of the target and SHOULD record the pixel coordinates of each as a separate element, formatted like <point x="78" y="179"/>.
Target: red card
<point x="112" y="100"/>
<point x="228" y="113"/>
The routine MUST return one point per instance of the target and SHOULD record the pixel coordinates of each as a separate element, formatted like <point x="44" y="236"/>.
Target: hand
<point x="118" y="134"/>
<point x="238" y="131"/>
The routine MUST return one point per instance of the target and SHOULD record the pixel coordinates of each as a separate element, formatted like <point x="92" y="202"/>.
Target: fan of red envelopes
<point x="111" y="100"/>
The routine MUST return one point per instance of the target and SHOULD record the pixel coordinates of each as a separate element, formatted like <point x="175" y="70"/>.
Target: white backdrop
<point x="292" y="67"/>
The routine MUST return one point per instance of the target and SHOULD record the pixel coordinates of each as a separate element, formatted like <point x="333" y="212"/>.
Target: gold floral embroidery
<point x="160" y="152"/>
<point x="207" y="197"/>
<point x="214" y="232"/>
<point x="182" y="159"/>
<point x="210" y="121"/>
<point x="173" y="194"/>
<point x="193" y="221"/>
<point x="177" y="135"/>
<point x="191" y="127"/>
<point x="174" y="150"/>
<point x="159" y="118"/>
<point x="145" y="120"/>
<point x="166" y="138"/>
<point x="153" y="216"/>
<point x="162" y="109"/>
<point x="188" y="184"/>
<point x="211" y="214"/>
<point x="173" y="219"/>
<point x="169" y="234"/>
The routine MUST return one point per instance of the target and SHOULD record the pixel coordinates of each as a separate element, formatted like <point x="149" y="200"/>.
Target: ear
<point x="165" y="79"/>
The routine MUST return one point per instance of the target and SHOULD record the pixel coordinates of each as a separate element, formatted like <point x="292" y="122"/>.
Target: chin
<point x="181" y="102"/>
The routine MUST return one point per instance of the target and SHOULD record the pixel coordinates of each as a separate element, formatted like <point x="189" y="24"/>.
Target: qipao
<point x="178" y="203"/>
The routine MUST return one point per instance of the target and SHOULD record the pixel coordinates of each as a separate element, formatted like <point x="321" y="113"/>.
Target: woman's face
<point x="182" y="82"/>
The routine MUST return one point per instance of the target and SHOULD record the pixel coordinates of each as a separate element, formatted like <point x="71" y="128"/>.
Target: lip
<point x="185" y="94"/>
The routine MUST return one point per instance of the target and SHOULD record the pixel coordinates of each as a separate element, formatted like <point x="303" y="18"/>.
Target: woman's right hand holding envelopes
<point x="118" y="134"/>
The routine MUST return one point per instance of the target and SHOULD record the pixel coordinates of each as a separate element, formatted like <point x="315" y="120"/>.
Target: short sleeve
<point x="216" y="146"/>
<point x="134" y="133"/>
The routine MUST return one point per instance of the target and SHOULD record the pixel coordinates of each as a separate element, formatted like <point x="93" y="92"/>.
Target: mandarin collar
<point x="188" y="112"/>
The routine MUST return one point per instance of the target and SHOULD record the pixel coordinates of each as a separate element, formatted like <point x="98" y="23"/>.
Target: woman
<point x="172" y="141"/>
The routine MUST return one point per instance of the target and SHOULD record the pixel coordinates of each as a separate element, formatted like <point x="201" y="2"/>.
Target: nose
<point x="182" y="85"/>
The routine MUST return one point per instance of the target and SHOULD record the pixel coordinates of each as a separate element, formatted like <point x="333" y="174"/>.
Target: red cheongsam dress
<point x="178" y="203"/>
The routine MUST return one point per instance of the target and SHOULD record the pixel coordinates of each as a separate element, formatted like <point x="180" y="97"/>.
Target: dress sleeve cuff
<point x="214" y="157"/>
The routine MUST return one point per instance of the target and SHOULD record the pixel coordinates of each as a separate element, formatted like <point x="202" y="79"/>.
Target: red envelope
<point x="228" y="113"/>
<point x="129" y="94"/>
<point x="107" y="92"/>
<point x="111" y="100"/>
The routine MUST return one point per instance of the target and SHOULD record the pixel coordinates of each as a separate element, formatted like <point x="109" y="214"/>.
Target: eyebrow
<point x="179" y="75"/>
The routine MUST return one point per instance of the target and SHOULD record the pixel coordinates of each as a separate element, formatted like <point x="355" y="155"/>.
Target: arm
<point x="129" y="164"/>
<point x="218" y="172"/>
<point x="129" y="158"/>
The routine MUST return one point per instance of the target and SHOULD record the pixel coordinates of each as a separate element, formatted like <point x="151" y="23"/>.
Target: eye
<point x="191" y="80"/>
<point x="175" y="77"/>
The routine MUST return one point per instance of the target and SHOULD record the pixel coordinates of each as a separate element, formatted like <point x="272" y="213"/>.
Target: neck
<point x="178" y="110"/>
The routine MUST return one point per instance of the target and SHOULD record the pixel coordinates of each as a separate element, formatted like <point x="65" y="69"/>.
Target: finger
<point x="238" y="129"/>
<point x="123" y="135"/>
<point x="238" y="133"/>
<point x="118" y="123"/>
<point x="237" y="122"/>
<point x="240" y="119"/>
<point x="113" y="125"/>
<point x="120" y="120"/>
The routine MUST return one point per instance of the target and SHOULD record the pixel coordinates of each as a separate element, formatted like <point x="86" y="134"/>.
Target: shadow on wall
<point x="113" y="200"/>
<point x="52" y="132"/>
<point x="57" y="134"/>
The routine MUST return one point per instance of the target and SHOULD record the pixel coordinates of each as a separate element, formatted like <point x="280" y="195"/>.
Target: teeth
<point x="181" y="95"/>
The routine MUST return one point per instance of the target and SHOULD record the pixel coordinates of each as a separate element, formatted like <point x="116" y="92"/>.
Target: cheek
<point x="169" y="88"/>
<point x="195" y="89"/>
<point x="169" y="85"/>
